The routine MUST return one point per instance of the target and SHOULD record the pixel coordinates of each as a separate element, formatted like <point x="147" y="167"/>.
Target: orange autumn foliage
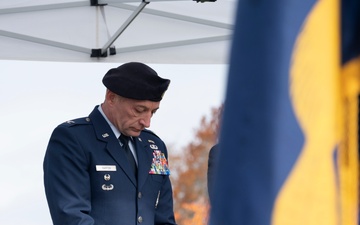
<point x="198" y="211"/>
<point x="189" y="169"/>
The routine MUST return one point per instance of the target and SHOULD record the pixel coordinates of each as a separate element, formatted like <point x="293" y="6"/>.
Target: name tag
<point x="105" y="168"/>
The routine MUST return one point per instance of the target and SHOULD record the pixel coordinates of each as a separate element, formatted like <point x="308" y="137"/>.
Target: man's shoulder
<point x="76" y="122"/>
<point x="150" y="135"/>
<point x="148" y="132"/>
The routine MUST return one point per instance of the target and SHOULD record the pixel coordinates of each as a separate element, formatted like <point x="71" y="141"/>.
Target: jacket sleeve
<point x="164" y="210"/>
<point x="66" y="179"/>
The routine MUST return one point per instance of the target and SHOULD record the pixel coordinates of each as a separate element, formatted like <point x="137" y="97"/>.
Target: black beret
<point x="136" y="81"/>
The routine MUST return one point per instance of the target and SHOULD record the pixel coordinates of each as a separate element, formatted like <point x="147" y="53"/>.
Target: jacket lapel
<point x="104" y="133"/>
<point x="144" y="155"/>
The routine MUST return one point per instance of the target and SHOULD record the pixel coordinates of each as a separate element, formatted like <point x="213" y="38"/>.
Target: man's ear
<point x="110" y="96"/>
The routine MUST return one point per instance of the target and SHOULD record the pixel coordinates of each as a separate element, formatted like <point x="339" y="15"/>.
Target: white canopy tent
<point x="155" y="31"/>
<point x="59" y="32"/>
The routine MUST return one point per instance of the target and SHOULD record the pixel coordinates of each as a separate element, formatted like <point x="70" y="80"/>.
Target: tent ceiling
<point x="158" y="31"/>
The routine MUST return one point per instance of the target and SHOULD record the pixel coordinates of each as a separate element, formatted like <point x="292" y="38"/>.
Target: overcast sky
<point x="37" y="96"/>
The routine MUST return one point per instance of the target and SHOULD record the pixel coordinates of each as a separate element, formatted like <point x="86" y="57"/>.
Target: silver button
<point x="139" y="195"/>
<point x="140" y="219"/>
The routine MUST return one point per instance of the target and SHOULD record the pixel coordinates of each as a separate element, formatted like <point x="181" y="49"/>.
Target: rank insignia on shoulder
<point x="70" y="122"/>
<point x="159" y="164"/>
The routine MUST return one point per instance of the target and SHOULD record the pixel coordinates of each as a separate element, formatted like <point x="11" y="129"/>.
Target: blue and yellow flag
<point x="289" y="137"/>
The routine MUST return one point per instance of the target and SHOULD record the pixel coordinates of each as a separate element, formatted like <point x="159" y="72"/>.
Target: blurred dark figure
<point x="212" y="168"/>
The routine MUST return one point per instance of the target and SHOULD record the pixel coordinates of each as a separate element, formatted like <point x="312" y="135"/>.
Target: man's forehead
<point x="145" y="104"/>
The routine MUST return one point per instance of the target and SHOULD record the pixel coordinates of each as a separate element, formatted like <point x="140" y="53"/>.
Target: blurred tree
<point x="191" y="202"/>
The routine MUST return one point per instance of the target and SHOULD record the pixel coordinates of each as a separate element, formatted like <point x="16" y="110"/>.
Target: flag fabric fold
<point x="289" y="136"/>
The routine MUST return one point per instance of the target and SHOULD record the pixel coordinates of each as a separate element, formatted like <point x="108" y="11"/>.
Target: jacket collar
<point x="104" y="133"/>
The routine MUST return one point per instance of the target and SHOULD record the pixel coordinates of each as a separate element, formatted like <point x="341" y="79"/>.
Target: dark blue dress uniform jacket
<point x="78" y="193"/>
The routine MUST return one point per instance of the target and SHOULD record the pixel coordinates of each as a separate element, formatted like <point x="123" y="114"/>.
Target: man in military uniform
<point x="107" y="168"/>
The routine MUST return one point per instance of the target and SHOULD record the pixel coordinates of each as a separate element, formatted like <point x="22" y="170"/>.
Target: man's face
<point x="132" y="116"/>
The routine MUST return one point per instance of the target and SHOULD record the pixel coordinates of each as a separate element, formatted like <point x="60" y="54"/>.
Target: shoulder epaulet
<point x="78" y="121"/>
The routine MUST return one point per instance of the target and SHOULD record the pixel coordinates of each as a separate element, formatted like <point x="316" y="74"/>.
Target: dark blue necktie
<point x="125" y="144"/>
